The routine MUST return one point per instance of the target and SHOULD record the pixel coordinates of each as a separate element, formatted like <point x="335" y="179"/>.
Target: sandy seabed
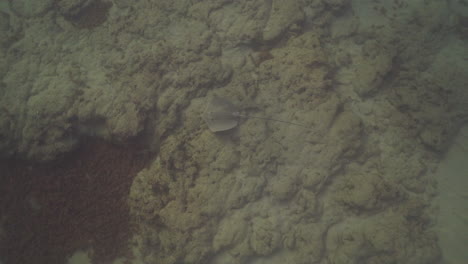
<point x="374" y="174"/>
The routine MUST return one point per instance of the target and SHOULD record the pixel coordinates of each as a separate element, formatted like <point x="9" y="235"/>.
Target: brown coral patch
<point x="91" y="16"/>
<point x="48" y="211"/>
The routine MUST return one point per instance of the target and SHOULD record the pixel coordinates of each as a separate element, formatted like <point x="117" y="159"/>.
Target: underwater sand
<point x="452" y="201"/>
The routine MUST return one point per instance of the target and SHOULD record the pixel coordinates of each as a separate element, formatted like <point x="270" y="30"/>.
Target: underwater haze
<point x="233" y="132"/>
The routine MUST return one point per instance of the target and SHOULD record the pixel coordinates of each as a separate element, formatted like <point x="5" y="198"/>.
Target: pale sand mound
<point x="452" y="201"/>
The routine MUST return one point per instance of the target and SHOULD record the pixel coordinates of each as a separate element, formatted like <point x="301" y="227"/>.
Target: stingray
<point x="221" y="115"/>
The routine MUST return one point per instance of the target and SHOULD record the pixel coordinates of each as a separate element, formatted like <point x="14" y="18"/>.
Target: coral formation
<point x="379" y="84"/>
<point x="30" y="8"/>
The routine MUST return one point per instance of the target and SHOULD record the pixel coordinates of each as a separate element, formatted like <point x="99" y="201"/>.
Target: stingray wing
<point x="219" y="115"/>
